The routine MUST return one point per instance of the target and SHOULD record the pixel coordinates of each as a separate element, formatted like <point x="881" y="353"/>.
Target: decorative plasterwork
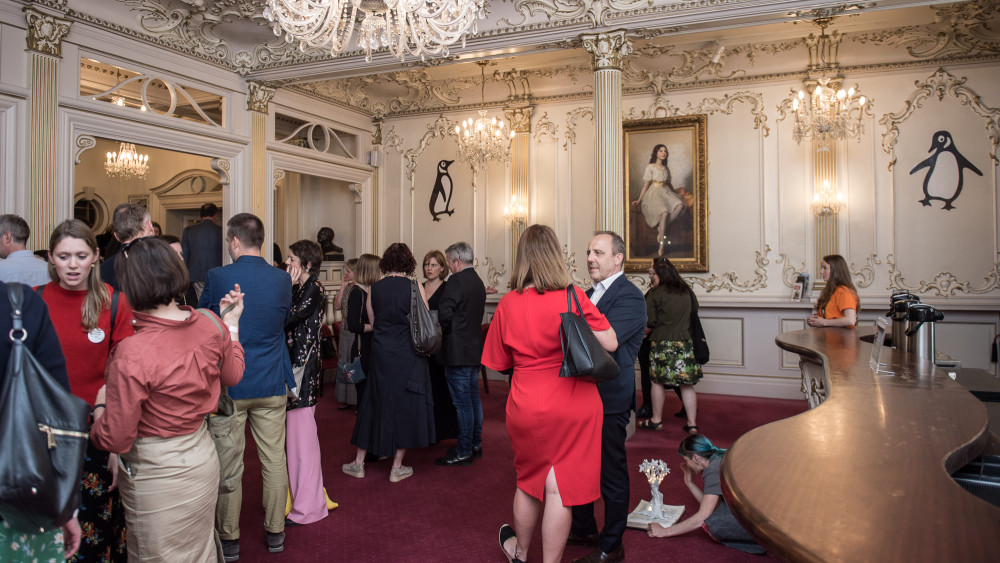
<point x="422" y="93"/>
<point x="944" y="284"/>
<point x="571" y="118"/>
<point x="493" y="272"/>
<point x="517" y="83"/>
<point x="607" y="49"/>
<point x="221" y="167"/>
<point x="358" y="190"/>
<point x="313" y="131"/>
<point x="596" y="11"/>
<point x="788" y="271"/>
<point x="662" y="108"/>
<point x="545" y="128"/>
<point x="959" y="29"/>
<point x="172" y="89"/>
<point x="866" y="273"/>
<point x="570" y="259"/>
<point x="83" y="144"/>
<point x="436" y="130"/>
<point x="393" y="141"/>
<point x="45" y="32"/>
<point x="278" y="176"/>
<point x="941" y="84"/>
<point x="695" y="63"/>
<point x="730" y="280"/>
<point x="377" y="131"/>
<point x="259" y="96"/>
<point x="520" y="119"/>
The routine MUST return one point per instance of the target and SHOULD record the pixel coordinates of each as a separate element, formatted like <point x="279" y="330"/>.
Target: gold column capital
<point x="45" y="32"/>
<point x="377" y="131"/>
<point x="520" y="119"/>
<point x="608" y="50"/>
<point x="259" y="95"/>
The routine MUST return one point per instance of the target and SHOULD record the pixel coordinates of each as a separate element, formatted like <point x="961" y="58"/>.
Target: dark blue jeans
<point x="463" y="383"/>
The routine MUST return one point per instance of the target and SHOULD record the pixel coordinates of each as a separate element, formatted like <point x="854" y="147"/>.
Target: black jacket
<point x="460" y="313"/>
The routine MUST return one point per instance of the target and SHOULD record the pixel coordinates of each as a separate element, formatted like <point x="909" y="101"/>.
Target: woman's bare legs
<point x="527" y="509"/>
<point x="397" y="460"/>
<point x="690" y="400"/>
<point x="556" y="521"/>
<point x="656" y="397"/>
<point x="359" y="458"/>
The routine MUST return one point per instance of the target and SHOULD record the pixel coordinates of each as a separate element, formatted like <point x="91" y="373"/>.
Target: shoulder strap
<point x="222" y="331"/>
<point x="16" y="297"/>
<point x="569" y="304"/>
<point x="114" y="313"/>
<point x="40" y="289"/>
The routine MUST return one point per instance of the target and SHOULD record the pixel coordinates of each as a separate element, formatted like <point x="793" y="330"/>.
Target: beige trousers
<point x="267" y="424"/>
<point x="169" y="488"/>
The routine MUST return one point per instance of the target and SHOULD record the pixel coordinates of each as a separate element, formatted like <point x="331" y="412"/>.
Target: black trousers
<point x="644" y="381"/>
<point x="614" y="487"/>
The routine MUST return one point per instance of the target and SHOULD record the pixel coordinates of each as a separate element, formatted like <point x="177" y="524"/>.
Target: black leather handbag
<point x="698" y="340"/>
<point x="425" y="331"/>
<point x="43" y="438"/>
<point x="583" y="355"/>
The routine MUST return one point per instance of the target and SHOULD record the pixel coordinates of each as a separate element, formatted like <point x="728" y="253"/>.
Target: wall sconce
<point x="514" y="211"/>
<point x="827" y="201"/>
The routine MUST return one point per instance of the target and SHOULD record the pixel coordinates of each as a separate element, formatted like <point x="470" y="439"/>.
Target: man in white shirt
<point x="19" y="264"/>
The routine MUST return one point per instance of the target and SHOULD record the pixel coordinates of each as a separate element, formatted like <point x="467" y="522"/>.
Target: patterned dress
<point x="21" y="547"/>
<point x="302" y="336"/>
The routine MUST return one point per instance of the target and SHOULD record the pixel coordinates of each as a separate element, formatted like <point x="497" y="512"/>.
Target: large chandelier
<point x="824" y="111"/>
<point x="484" y="140"/>
<point x="127" y="163"/>
<point x="417" y="27"/>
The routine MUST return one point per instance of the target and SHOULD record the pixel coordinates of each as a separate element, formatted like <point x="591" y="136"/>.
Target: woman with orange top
<point x="838" y="303"/>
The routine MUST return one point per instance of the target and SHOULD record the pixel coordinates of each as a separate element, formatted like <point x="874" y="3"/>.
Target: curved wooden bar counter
<point x="866" y="475"/>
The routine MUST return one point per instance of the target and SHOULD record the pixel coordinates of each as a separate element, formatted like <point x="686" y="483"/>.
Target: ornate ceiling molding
<point x="661" y="107"/>
<point x="597" y="12"/>
<point x="730" y="280"/>
<point x="944" y="284"/>
<point x="959" y="29"/>
<point x="939" y="84"/>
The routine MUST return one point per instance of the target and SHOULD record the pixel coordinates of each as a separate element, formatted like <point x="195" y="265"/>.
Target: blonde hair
<point x="539" y="261"/>
<point x="98" y="298"/>
<point x="366" y="273"/>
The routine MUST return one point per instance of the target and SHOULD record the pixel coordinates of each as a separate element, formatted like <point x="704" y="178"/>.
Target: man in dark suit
<point x="201" y="246"/>
<point x="130" y="222"/>
<point x="460" y="313"/>
<point x="624" y="306"/>
<point x="261" y="395"/>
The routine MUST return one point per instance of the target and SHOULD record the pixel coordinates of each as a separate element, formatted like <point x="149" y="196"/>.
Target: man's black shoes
<point x="454" y="459"/>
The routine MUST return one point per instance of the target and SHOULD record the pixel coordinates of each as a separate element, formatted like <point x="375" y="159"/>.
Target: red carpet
<point x="453" y="513"/>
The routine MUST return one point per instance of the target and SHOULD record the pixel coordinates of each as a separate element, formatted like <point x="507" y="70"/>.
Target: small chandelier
<point x="417" y="27"/>
<point x="824" y="111"/>
<point x="483" y="140"/>
<point x="127" y="163"/>
<point x="827" y="201"/>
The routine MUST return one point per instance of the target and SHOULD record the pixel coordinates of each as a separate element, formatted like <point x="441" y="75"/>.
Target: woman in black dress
<point x="396" y="412"/>
<point x="445" y="416"/>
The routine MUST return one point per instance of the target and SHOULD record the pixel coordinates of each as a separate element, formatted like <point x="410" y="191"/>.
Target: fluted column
<point x="258" y="97"/>
<point x="608" y="51"/>
<point x="825" y="168"/>
<point x="376" y="184"/>
<point x="44" y="38"/>
<point x="520" y="122"/>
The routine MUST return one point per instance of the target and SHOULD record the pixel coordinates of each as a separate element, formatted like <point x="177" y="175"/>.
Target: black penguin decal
<point x="441" y="194"/>
<point x="946" y="170"/>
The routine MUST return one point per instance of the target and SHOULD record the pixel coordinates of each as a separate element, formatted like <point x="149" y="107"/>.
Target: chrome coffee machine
<point x="899" y="305"/>
<point x="920" y="329"/>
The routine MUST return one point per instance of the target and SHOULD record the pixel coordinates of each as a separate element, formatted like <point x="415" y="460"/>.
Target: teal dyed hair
<point x="698" y="444"/>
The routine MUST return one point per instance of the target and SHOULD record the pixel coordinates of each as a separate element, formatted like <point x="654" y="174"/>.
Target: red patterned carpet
<point x="452" y="514"/>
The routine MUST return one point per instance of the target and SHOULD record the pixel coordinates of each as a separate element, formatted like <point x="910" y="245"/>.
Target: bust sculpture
<point x="331" y="251"/>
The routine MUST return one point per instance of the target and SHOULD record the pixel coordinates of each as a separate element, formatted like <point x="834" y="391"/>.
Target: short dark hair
<point x="16" y="226"/>
<point x="617" y="244"/>
<point x="248" y="228"/>
<point x="150" y="273"/>
<point x="170" y="239"/>
<point x="309" y="252"/>
<point x="129" y="220"/>
<point x="208" y="210"/>
<point x="398" y="258"/>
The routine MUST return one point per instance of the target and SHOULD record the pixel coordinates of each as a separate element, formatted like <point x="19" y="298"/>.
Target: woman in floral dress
<point x="302" y="331"/>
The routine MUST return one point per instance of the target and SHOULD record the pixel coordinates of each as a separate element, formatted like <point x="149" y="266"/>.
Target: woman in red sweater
<point x="162" y="383"/>
<point x="80" y="306"/>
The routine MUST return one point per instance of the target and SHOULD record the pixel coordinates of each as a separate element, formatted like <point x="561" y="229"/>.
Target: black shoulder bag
<point x="698" y="340"/>
<point x="583" y="355"/>
<point x="43" y="438"/>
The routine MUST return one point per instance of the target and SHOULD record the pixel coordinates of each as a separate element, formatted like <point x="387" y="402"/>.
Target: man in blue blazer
<point x="624" y="306"/>
<point x="261" y="395"/>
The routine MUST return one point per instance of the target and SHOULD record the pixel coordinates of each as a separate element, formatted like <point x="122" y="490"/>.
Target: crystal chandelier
<point x="483" y="140"/>
<point x="824" y="111"/>
<point x="127" y="163"/>
<point x="417" y="27"/>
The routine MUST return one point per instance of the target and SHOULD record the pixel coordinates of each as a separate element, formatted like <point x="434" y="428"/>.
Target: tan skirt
<point x="169" y="488"/>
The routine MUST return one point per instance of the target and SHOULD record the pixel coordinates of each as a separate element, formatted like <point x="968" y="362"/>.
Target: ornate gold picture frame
<point x="671" y="218"/>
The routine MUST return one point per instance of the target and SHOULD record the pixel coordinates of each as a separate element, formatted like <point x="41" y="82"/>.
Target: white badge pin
<point x="96" y="335"/>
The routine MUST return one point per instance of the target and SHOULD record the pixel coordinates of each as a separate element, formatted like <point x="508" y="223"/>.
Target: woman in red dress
<point x="554" y="423"/>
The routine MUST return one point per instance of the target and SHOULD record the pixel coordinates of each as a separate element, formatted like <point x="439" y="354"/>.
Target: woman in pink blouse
<point x="161" y="384"/>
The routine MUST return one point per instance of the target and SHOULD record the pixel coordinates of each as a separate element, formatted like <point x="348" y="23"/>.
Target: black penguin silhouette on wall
<point x="441" y="194"/>
<point x="946" y="169"/>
